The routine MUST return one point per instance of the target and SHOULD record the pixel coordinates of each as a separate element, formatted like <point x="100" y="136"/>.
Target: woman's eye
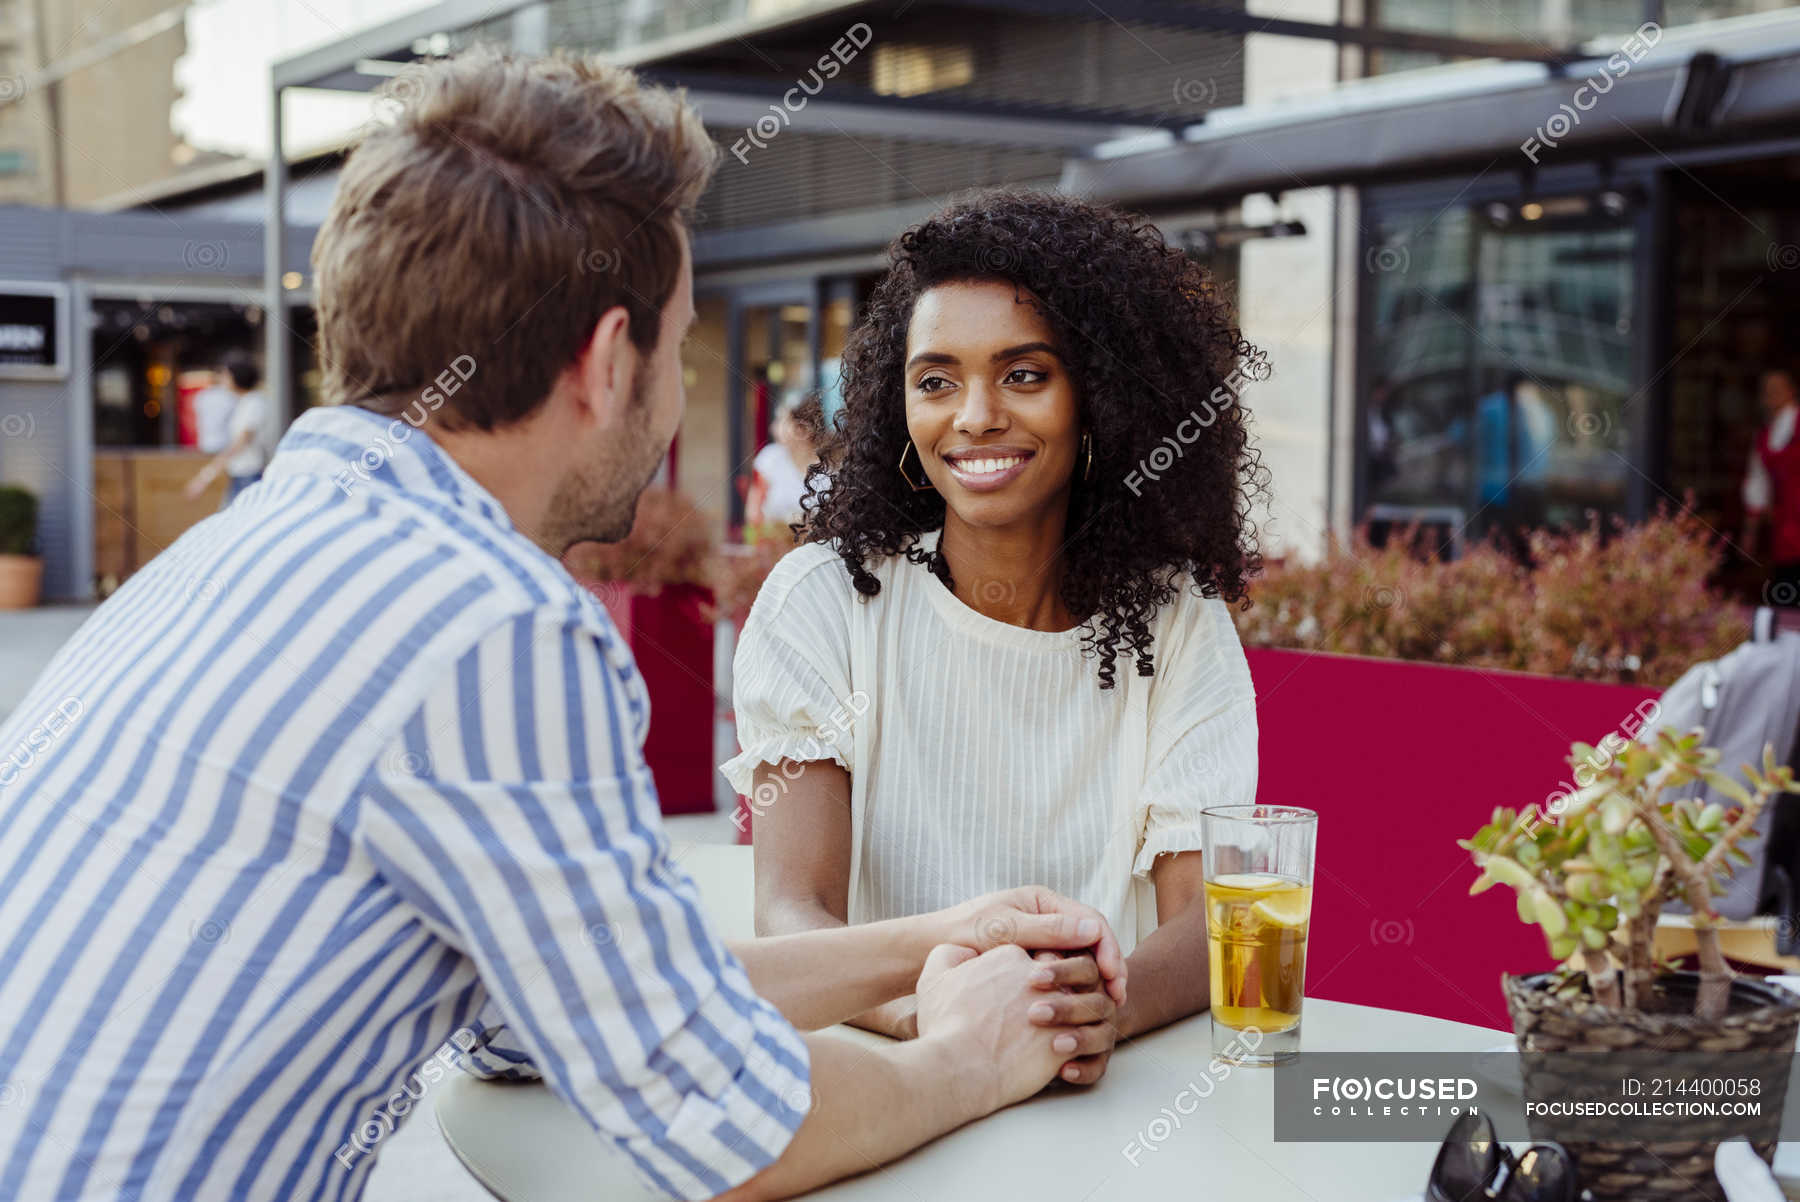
<point x="933" y="384"/>
<point x="1024" y="375"/>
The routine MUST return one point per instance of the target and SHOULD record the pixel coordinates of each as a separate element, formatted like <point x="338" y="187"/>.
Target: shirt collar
<point x="357" y="449"/>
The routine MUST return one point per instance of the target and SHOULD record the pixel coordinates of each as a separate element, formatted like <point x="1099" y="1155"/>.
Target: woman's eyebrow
<point x="931" y="357"/>
<point x="1023" y="348"/>
<point x="1006" y="353"/>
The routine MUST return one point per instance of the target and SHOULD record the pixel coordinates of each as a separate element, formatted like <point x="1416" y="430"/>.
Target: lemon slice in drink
<point x="1250" y="882"/>
<point x="1285" y="909"/>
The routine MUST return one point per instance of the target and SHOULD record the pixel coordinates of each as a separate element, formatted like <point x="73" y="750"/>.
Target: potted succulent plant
<point x="21" y="571"/>
<point x="1595" y="873"/>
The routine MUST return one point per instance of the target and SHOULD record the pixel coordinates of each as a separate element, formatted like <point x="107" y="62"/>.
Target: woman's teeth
<point x="987" y="467"/>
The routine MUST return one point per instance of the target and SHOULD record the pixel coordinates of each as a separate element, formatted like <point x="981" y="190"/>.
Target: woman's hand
<point x="1076" y="1000"/>
<point x="1037" y="919"/>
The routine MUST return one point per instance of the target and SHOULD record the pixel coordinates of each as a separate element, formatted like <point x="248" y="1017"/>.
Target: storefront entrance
<point x="1734" y="298"/>
<point x="755" y="346"/>
<point x="1593" y="345"/>
<point x="150" y="353"/>
<point x="1499" y="373"/>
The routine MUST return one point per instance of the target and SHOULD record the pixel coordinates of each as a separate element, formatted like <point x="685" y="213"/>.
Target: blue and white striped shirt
<point x="351" y="771"/>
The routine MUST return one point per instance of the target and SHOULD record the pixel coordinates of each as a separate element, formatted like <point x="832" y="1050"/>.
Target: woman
<point x="1041" y="476"/>
<point x="778" y="483"/>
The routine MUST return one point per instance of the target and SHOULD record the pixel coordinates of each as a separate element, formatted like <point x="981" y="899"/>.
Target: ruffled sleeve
<point x="1202" y="730"/>
<point x="791" y="686"/>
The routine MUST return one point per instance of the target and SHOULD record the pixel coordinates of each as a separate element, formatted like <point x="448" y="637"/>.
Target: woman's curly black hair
<point x="1156" y="361"/>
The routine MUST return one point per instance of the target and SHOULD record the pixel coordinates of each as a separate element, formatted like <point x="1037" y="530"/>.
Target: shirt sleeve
<point x="495" y="1053"/>
<point x="515" y="813"/>
<point x="791" y="687"/>
<point x="1756" y="494"/>
<point x="1202" y="730"/>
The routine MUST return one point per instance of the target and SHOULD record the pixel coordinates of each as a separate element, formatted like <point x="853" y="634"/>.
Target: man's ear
<point x="606" y="367"/>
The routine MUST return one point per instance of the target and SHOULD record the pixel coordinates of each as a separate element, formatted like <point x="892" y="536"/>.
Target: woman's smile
<point x="984" y="469"/>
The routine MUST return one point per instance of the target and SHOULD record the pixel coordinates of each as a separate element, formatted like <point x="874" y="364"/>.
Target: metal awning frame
<point x="361" y="61"/>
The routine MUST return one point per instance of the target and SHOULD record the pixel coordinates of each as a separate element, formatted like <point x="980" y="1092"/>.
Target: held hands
<point x="1079" y="1001"/>
<point x="1073" y="983"/>
<point x="979" y="1006"/>
<point x="1037" y="919"/>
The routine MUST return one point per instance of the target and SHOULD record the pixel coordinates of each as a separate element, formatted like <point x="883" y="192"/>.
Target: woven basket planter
<point x="1761" y="1022"/>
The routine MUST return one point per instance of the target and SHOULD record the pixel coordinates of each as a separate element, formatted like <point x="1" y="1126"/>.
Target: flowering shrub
<point x="670" y="543"/>
<point x="738" y="572"/>
<point x="1629" y="603"/>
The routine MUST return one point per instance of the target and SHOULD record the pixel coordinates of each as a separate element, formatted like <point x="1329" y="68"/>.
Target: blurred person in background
<point x="1382" y="439"/>
<point x="212" y="413"/>
<point x="778" y="481"/>
<point x="1003" y="652"/>
<point x="250" y="429"/>
<point x="359" y="769"/>
<point x="811" y="416"/>
<point x="1515" y="434"/>
<point x="1771" y="491"/>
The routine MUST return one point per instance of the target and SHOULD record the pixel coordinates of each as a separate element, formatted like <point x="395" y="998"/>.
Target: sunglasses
<point x="1474" y="1166"/>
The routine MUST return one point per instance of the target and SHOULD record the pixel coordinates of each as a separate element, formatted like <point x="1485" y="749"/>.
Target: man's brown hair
<point x="510" y="203"/>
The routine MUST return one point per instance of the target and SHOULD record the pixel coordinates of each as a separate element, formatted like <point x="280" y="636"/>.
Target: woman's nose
<point x="981" y="411"/>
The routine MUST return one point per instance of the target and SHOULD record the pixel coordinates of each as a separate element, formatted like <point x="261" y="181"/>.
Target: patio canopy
<point x="1716" y="82"/>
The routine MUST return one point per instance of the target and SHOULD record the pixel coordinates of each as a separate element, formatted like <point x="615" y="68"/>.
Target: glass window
<point x="1417" y="403"/>
<point x="1501" y="364"/>
<point x="1547" y="23"/>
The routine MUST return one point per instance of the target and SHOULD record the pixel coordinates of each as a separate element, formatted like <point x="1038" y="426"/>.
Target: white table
<point x="1065" y="1145"/>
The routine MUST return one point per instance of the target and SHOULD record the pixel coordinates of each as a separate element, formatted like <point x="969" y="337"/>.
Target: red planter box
<point x="671" y="638"/>
<point x="1401" y="760"/>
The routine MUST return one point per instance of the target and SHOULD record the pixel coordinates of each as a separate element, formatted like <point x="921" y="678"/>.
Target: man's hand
<point x="1077" y="999"/>
<point x="1037" y="919"/>
<point x="978" y="1008"/>
<point x="977" y="1051"/>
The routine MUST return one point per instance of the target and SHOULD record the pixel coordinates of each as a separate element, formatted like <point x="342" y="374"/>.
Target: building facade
<point x="1511" y="264"/>
<point x="86" y="89"/>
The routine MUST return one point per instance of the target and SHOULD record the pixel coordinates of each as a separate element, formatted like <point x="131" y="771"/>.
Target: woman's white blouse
<point x="982" y="755"/>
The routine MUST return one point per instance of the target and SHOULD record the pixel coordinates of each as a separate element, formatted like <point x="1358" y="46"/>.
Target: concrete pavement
<point x="28" y="639"/>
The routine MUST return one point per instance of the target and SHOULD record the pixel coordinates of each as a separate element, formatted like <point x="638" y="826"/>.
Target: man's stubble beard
<point x="598" y="502"/>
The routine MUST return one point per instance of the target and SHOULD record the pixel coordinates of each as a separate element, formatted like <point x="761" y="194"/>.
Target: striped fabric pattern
<point x="349" y="774"/>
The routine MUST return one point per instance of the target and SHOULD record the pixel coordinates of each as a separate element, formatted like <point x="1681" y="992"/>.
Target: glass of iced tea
<point x="1259" y="878"/>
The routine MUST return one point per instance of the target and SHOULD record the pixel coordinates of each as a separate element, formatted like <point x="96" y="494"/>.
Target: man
<point x="1515" y="436"/>
<point x="1771" y="490"/>
<point x="250" y="433"/>
<point x="353" y="769"/>
<point x="212" y="413"/>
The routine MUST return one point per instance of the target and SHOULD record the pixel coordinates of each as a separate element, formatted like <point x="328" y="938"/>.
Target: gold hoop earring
<point x="928" y="486"/>
<point x="1087" y="440"/>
